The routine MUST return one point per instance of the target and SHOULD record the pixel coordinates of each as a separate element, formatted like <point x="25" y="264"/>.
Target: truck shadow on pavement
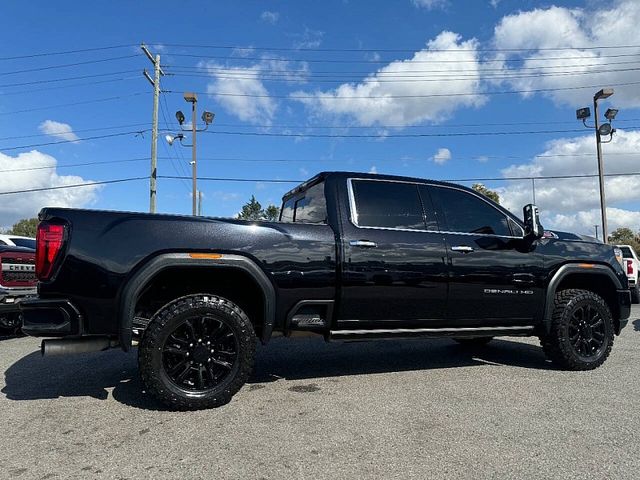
<point x="92" y="375"/>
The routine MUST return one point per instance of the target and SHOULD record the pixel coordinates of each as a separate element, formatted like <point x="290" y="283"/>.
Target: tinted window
<point x="2" y="243"/>
<point x="626" y="252"/>
<point x="387" y="204"/>
<point x="24" y="242"/>
<point x="467" y="213"/>
<point x="308" y="207"/>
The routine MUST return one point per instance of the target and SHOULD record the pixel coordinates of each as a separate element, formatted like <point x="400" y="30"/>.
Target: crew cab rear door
<point x="495" y="276"/>
<point x="394" y="271"/>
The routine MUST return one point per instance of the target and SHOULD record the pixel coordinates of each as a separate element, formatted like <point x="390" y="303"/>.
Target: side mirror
<point x="533" y="229"/>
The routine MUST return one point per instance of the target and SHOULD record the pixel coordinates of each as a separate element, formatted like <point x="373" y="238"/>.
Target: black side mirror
<point x="533" y="228"/>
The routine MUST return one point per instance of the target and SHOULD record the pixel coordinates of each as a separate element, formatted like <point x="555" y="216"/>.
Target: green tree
<point x="492" y="194"/>
<point x="271" y="213"/>
<point x="25" y="228"/>
<point x="252" y="210"/>
<point x="625" y="236"/>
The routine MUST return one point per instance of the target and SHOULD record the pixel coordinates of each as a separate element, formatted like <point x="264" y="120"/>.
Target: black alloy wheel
<point x="581" y="331"/>
<point x="200" y="353"/>
<point x="197" y="352"/>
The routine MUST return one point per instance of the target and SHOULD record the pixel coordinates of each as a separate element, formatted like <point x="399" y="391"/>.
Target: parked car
<point x="632" y="266"/>
<point x="354" y="257"/>
<point x="17" y="281"/>
<point x="17" y="241"/>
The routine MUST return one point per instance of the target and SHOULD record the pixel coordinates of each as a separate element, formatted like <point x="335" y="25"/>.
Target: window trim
<point x="353" y="211"/>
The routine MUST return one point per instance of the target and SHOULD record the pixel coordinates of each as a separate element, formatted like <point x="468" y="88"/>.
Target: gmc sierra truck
<point x="353" y="257"/>
<point x="17" y="282"/>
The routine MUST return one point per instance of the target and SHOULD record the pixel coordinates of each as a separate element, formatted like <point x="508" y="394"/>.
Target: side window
<point x="286" y="214"/>
<point x="2" y="243"/>
<point x="467" y="213"/>
<point x="387" y="205"/>
<point x="308" y="207"/>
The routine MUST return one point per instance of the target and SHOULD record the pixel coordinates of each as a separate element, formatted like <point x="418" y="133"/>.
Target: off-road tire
<point x="164" y="324"/>
<point x="473" y="342"/>
<point x="635" y="294"/>
<point x="557" y="344"/>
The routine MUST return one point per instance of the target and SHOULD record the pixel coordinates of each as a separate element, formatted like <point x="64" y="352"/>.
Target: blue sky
<point x="382" y="70"/>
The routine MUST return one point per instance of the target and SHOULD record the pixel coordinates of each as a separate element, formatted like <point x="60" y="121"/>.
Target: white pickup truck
<point x="631" y="264"/>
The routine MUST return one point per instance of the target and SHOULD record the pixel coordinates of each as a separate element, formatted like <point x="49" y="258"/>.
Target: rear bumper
<point x="624" y="302"/>
<point x="50" y="318"/>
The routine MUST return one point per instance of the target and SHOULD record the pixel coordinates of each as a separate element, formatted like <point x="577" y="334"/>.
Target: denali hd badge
<point x="498" y="291"/>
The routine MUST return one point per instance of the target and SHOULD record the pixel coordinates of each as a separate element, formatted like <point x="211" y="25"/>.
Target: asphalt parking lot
<point x="394" y="409"/>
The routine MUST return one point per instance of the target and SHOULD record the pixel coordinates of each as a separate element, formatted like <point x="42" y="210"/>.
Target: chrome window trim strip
<point x="353" y="217"/>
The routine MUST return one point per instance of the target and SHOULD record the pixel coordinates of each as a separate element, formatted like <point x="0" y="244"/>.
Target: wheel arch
<point x="136" y="285"/>
<point x="596" y="278"/>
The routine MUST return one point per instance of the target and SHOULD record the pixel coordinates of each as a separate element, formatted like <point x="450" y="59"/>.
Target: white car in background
<point x="631" y="264"/>
<point x="17" y="241"/>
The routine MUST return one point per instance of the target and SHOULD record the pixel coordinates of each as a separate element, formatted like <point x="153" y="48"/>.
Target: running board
<point x="464" y="332"/>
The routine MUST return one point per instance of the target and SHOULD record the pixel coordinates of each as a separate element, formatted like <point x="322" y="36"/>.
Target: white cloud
<point x="58" y="130"/>
<point x="376" y="102"/>
<point x="494" y="3"/>
<point x="373" y="169"/>
<point x="270" y="17"/>
<point x="442" y="156"/>
<point x="247" y="98"/>
<point x="308" y="38"/>
<point x="430" y="4"/>
<point x="16" y="206"/>
<point x="573" y="203"/>
<point x="579" y="30"/>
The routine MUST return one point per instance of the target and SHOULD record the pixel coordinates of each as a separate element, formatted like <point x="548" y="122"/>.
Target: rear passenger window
<point x="387" y="205"/>
<point x="308" y="207"/>
<point x="466" y="213"/>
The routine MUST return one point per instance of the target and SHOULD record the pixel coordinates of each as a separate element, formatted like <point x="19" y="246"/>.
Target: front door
<point x="495" y="276"/>
<point x="394" y="268"/>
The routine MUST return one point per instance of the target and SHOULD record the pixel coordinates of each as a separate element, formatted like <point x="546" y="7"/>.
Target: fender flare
<point x="562" y="273"/>
<point x="134" y="286"/>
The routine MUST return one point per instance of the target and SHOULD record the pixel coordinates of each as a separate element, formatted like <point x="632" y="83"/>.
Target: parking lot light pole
<point x="604" y="93"/>
<point x="193" y="99"/>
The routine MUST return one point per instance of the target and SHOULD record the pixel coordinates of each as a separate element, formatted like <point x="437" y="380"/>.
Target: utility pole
<point x="603" y="202"/>
<point x="155" y="82"/>
<point x="193" y="99"/>
<point x="200" y="203"/>
<point x="596" y="231"/>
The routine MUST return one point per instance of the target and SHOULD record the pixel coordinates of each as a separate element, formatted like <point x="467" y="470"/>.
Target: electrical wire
<point x="113" y="127"/>
<point x="71" y="104"/>
<point x="65" y="52"/>
<point x="63" y="187"/>
<point x="87" y="62"/>
<point x="96" y="137"/>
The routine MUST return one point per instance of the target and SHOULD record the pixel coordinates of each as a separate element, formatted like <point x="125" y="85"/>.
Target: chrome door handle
<point x="462" y="248"/>
<point x="363" y="243"/>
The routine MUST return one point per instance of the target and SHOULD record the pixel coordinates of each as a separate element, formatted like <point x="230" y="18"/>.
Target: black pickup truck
<point x="353" y="257"/>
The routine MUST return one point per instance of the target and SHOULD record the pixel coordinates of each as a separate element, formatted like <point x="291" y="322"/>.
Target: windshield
<point x="24" y="242"/>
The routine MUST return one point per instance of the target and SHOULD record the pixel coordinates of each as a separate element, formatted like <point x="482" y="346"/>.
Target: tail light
<point x="49" y="242"/>
<point x="629" y="267"/>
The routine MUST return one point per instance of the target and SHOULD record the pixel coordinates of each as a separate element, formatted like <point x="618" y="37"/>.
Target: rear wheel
<point x="581" y="333"/>
<point x="474" y="342"/>
<point x="197" y="352"/>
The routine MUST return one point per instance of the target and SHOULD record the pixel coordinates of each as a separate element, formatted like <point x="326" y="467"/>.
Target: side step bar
<point x="464" y="332"/>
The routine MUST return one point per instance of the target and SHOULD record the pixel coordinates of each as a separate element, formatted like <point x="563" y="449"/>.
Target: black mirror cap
<point x="533" y="228"/>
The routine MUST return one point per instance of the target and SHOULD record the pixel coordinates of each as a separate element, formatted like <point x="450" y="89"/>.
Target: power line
<point x="71" y="104"/>
<point x="51" y="67"/>
<point x="72" y="85"/>
<point x="96" y="137"/>
<point x="65" y="52"/>
<point x="77" y="185"/>
<point x="55" y="80"/>
<point x="398" y="135"/>
<point x="385" y="61"/>
<point x="114" y="127"/>
<point x="394" y="50"/>
<point x="85" y="164"/>
<point x="434" y="95"/>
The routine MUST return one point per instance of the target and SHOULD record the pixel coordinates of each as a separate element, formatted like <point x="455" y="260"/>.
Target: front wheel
<point x="197" y="352"/>
<point x="581" y="333"/>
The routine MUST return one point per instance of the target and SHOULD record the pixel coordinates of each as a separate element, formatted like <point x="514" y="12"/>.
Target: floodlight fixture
<point x="207" y="117"/>
<point x="180" y="117"/>
<point x="583" y="113"/>
<point x="611" y="113"/>
<point x="605" y="129"/>
<point x="190" y="97"/>
<point x="172" y="138"/>
<point x="604" y="93"/>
